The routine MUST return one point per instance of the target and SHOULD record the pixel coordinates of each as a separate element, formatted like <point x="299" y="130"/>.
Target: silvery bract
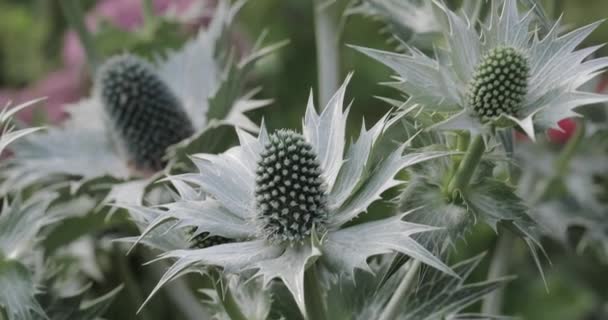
<point x="284" y="200"/>
<point x="436" y="296"/>
<point x="85" y="146"/>
<point x="411" y="22"/>
<point x="8" y="134"/>
<point x="503" y="71"/>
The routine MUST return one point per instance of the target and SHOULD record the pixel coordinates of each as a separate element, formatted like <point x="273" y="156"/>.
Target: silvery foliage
<point x="584" y="198"/>
<point x="353" y="181"/>
<point x="207" y="83"/>
<point x="436" y="295"/>
<point x="410" y="22"/>
<point x="23" y="273"/>
<point x="8" y="134"/>
<point x="557" y="68"/>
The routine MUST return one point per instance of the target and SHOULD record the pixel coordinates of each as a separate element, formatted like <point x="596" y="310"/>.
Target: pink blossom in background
<point x="59" y="87"/>
<point x="564" y="133"/>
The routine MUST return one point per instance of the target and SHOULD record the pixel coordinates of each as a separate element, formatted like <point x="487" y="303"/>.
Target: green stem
<point x="130" y="283"/>
<point x="328" y="49"/>
<point x="313" y="295"/>
<point x="467" y="167"/>
<point x="499" y="266"/>
<point x="391" y="310"/>
<point x="561" y="163"/>
<point x="492" y="304"/>
<point x="148" y="11"/>
<point x="73" y="13"/>
<point x="230" y="305"/>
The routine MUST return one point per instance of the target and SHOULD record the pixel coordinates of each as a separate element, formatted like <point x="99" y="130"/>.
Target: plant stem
<point x="561" y="163"/>
<point x="392" y="308"/>
<point x="328" y="50"/>
<point x="313" y="295"/>
<point x="499" y="266"/>
<point x="492" y="304"/>
<point x="73" y="13"/>
<point x="230" y="305"/>
<point x="130" y="283"/>
<point x="467" y="167"/>
<point x="148" y="11"/>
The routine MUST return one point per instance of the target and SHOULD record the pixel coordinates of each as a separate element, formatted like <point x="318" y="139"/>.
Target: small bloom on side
<point x="505" y="74"/>
<point x="284" y="199"/>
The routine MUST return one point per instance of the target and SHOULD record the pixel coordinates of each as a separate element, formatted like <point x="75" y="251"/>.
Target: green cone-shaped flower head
<point x="145" y="114"/>
<point x="291" y="197"/>
<point x="499" y="83"/>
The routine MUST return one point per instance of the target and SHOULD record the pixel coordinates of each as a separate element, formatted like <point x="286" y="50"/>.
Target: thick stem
<point x="313" y="295"/>
<point x="230" y="305"/>
<point x="73" y="13"/>
<point x="492" y="304"/>
<point x="328" y="49"/>
<point x="467" y="167"/>
<point x="407" y="283"/>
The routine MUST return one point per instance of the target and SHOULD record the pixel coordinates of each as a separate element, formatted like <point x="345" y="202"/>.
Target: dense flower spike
<point x="146" y="115"/>
<point x="499" y="84"/>
<point x="290" y="193"/>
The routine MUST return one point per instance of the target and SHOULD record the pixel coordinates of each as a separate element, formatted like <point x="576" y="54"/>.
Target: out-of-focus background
<point x="40" y="56"/>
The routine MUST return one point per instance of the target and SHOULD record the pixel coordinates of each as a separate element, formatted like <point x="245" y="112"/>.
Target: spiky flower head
<point x="290" y="193"/>
<point x="543" y="71"/>
<point x="285" y="200"/>
<point x="499" y="84"/>
<point x="147" y="116"/>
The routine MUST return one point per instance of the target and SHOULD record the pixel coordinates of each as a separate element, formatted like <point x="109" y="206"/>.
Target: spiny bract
<point x="499" y="84"/>
<point x="146" y="115"/>
<point x="290" y="193"/>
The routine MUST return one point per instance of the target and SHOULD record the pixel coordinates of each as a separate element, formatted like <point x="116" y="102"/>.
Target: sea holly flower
<point x="285" y="199"/>
<point x="500" y="73"/>
<point x="143" y="114"/>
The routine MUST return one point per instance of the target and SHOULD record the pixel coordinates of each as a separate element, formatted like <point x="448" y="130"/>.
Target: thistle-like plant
<point x="142" y="115"/>
<point x="287" y="201"/>
<point x="500" y="73"/>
